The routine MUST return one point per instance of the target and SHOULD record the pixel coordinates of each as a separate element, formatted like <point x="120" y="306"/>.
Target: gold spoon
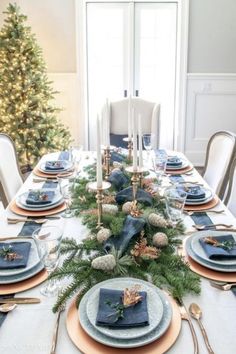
<point x="7" y="307"/>
<point x="196" y="313"/>
<point x="203" y="227"/>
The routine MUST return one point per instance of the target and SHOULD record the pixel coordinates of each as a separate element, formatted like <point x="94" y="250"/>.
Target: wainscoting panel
<point x="211" y="106"/>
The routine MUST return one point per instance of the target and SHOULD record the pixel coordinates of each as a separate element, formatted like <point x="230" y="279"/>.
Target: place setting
<point x="38" y="202"/>
<point x="212" y="254"/>
<point x="26" y="261"/>
<point x="124" y="313"/>
<point x="176" y="165"/>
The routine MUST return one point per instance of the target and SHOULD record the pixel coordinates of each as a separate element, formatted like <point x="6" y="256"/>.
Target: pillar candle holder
<point x="130" y="147"/>
<point x="99" y="197"/>
<point x="137" y="175"/>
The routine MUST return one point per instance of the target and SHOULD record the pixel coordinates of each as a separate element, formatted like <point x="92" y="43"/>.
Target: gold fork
<point x="16" y="221"/>
<point x="222" y="286"/>
<point x="55" y="333"/>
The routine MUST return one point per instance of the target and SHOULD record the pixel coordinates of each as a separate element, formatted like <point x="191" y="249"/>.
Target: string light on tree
<point x="27" y="112"/>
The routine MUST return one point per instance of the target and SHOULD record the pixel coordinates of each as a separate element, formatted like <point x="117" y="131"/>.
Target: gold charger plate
<point x="211" y="204"/>
<point x="24" y="284"/>
<point x="87" y="345"/>
<point x="206" y="272"/>
<point x="17" y="210"/>
<point x="179" y="171"/>
<point x="39" y="173"/>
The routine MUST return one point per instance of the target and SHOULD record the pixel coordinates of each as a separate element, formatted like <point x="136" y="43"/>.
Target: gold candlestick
<point x="130" y="148"/>
<point x="99" y="197"/>
<point x="107" y="158"/>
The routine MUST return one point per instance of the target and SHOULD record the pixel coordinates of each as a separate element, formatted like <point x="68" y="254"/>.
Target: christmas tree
<point x="27" y="113"/>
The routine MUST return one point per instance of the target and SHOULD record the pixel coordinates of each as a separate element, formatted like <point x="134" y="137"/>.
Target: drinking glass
<point x="48" y="239"/>
<point x="175" y="199"/>
<point x="66" y="186"/>
<point x="75" y="154"/>
<point x="148" y="143"/>
<point x="159" y="166"/>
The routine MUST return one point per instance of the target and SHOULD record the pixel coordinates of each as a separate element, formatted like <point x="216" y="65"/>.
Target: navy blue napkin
<point x="134" y="316"/>
<point x="40" y="198"/>
<point x="132" y="226"/>
<point x="219" y="253"/>
<point x="127" y="195"/>
<point x="174" y="161"/>
<point x="118" y="179"/>
<point x="55" y="165"/>
<point x="22" y="249"/>
<point x="116" y="157"/>
<point x="202" y="218"/>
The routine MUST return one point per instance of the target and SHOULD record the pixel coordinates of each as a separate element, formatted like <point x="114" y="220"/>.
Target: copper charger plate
<point x="17" y="210"/>
<point x="211" y="204"/>
<point x="24" y="284"/>
<point x="180" y="171"/>
<point x="206" y="272"/>
<point x="41" y="174"/>
<point x="87" y="345"/>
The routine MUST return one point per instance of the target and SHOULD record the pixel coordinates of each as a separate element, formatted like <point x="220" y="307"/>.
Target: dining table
<point x="28" y="329"/>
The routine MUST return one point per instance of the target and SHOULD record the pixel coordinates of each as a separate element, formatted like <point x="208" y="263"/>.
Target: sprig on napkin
<point x="227" y="245"/>
<point x="8" y="254"/>
<point x="130" y="298"/>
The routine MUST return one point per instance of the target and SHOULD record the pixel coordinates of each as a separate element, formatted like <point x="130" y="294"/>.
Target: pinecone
<point x="110" y="209"/>
<point x="106" y="263"/>
<point x="157" y="220"/>
<point x="103" y="234"/>
<point x="126" y="208"/>
<point x="160" y="239"/>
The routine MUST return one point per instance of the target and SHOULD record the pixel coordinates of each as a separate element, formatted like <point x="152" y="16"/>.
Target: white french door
<point x="132" y="49"/>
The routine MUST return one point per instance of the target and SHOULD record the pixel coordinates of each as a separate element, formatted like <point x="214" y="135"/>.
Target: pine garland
<point x="168" y="271"/>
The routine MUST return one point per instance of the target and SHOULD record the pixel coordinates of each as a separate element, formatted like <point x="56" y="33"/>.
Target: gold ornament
<point x="160" y="239"/>
<point x="134" y="210"/>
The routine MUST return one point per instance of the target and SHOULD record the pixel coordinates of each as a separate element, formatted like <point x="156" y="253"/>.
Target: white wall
<point x="212" y="53"/>
<point x="211" y="82"/>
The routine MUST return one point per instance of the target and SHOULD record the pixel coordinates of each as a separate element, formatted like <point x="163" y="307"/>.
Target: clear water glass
<point x="159" y="166"/>
<point x="48" y="240"/>
<point x="66" y="186"/>
<point x="148" y="143"/>
<point x="175" y="199"/>
<point x="75" y="155"/>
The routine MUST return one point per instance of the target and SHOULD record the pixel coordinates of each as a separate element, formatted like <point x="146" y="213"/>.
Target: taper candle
<point x="134" y="140"/>
<point x="140" y="146"/>
<point x="99" y="155"/>
<point x="107" y="123"/>
<point x="129" y="119"/>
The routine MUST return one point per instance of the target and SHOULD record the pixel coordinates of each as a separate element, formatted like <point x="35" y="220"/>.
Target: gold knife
<point x="20" y="300"/>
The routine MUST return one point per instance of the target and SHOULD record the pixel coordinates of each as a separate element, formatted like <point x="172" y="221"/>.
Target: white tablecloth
<point x="29" y="328"/>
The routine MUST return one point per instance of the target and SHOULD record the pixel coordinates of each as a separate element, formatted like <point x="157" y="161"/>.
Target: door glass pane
<point x="106" y="57"/>
<point x="155" y="60"/>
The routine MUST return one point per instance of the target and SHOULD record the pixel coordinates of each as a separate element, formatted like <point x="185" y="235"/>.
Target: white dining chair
<point x="10" y="175"/>
<point x="118" y="119"/>
<point x="219" y="155"/>
<point x="230" y="195"/>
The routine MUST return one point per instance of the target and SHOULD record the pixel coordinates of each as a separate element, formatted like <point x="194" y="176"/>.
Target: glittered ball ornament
<point x="105" y="263"/>
<point x="126" y="208"/>
<point x="110" y="209"/>
<point x="157" y="220"/>
<point x="160" y="239"/>
<point x="103" y="235"/>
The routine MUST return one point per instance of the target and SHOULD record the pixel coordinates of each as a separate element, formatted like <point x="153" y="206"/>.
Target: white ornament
<point x="105" y="263"/>
<point x="103" y="235"/>
<point x="117" y="165"/>
<point x="157" y="220"/>
<point x="127" y="207"/>
<point x="110" y="209"/>
<point x="160" y="239"/>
